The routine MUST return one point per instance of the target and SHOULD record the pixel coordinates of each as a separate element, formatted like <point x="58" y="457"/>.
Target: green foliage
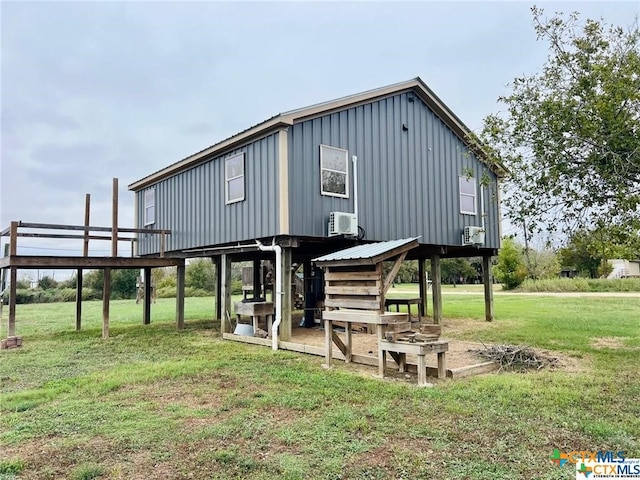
<point x="47" y="283"/>
<point x="570" y="136"/>
<point x="88" y="472"/>
<point x="11" y="467"/>
<point x="457" y="270"/>
<point x="542" y="264"/>
<point x="589" y="250"/>
<point x="560" y="285"/>
<point x="123" y="283"/>
<point x="511" y="269"/>
<point x="200" y="274"/>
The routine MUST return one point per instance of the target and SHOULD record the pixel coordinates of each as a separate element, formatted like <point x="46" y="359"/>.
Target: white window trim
<point x="468" y="180"/>
<point x="228" y="179"/>
<point x="346" y="173"/>
<point x="147" y="206"/>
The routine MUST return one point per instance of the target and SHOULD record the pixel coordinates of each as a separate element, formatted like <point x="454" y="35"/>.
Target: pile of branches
<point x="516" y="357"/>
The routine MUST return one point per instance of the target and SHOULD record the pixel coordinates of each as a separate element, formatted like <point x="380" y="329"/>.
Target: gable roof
<point x="286" y="119"/>
<point x="370" y="253"/>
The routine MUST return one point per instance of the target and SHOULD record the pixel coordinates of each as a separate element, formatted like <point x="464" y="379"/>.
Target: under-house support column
<point x="146" y="303"/>
<point x="180" y="281"/>
<point x="257" y="279"/>
<point x="436" y="289"/>
<point x="284" y="331"/>
<point x="225" y="292"/>
<point x="487" y="276"/>
<point x="106" y="296"/>
<point x="424" y="287"/>
<point x="217" y="289"/>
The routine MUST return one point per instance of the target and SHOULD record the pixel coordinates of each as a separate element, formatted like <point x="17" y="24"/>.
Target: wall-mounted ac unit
<point x="341" y="223"/>
<point x="473" y="236"/>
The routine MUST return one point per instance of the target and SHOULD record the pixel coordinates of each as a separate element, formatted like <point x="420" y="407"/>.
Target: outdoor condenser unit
<point x="342" y="223"/>
<point x="473" y="236"/>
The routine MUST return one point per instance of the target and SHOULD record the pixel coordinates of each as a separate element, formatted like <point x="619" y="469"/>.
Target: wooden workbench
<point x="255" y="310"/>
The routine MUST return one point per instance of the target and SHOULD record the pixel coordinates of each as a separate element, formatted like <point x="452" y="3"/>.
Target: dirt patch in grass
<point x="615" y="343"/>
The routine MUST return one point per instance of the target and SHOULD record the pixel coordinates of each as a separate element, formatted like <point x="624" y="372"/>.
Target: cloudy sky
<point x="96" y="90"/>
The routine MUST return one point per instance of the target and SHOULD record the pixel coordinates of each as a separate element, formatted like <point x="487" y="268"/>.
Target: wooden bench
<point x="379" y="319"/>
<point x="400" y="348"/>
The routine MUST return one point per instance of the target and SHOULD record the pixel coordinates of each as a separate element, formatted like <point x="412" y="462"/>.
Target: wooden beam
<point x="225" y="291"/>
<point x="13" y="239"/>
<point x="82" y="228"/>
<point x="73" y="263"/>
<point x="180" y="281"/>
<point x="87" y="216"/>
<point x="363" y="276"/>
<point x="436" y="288"/>
<point x="106" y="297"/>
<point x="339" y="343"/>
<point x="487" y="278"/>
<point x="72" y="236"/>
<point x="85" y="253"/>
<point x="284" y="331"/>
<point x="146" y="302"/>
<point x="391" y="276"/>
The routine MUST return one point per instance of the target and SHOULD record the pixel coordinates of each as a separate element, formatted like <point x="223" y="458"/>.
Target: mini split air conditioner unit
<point x="473" y="236"/>
<point x="341" y="223"/>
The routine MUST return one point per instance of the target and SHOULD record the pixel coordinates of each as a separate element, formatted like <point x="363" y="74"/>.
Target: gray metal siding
<point x="192" y="203"/>
<point x="407" y="180"/>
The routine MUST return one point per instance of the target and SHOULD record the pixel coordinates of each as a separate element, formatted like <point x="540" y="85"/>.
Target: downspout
<point x="278" y="288"/>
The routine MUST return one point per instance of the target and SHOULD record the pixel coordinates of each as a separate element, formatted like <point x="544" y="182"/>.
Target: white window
<point x="150" y="206"/>
<point x="234" y="178"/>
<point x="468" y="195"/>
<point x="334" y="171"/>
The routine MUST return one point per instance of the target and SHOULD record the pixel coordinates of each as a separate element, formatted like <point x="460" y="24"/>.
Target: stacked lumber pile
<point x="11" y="342"/>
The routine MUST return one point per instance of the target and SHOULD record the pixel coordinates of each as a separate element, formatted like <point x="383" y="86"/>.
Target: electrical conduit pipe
<point x="278" y="288"/>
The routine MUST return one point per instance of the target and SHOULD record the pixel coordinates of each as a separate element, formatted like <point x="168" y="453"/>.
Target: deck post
<point x="284" y="332"/>
<point x="106" y="294"/>
<point x="225" y="291"/>
<point x="217" y="290"/>
<point x="146" y="302"/>
<point x="257" y="279"/>
<point x="436" y="289"/>
<point x="424" y="288"/>
<point x="487" y="277"/>
<point x="13" y="278"/>
<point x="85" y="253"/>
<point x="180" y="281"/>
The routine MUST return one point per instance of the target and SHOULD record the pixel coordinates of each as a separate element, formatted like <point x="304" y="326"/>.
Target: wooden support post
<point x="382" y="354"/>
<point x="488" y="287"/>
<point x="106" y="294"/>
<point x="349" y="340"/>
<point x="225" y="292"/>
<point x="217" y="289"/>
<point x="424" y="288"/>
<point x="328" y="341"/>
<point x="257" y="287"/>
<point x="114" y="220"/>
<point x="436" y="289"/>
<point x="284" y="331"/>
<point x="146" y="302"/>
<point x="180" y="281"/>
<point x="13" y="278"/>
<point x="85" y="253"/>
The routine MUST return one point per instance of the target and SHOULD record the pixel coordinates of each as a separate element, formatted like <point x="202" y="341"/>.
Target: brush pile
<point x="516" y="357"/>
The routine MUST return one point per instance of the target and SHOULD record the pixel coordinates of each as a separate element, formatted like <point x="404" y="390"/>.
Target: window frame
<point x="227" y="179"/>
<point x="468" y="181"/>
<point x="345" y="172"/>
<point x="149" y="206"/>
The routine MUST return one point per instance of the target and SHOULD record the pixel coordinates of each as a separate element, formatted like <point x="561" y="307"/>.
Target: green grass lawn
<point x="154" y="402"/>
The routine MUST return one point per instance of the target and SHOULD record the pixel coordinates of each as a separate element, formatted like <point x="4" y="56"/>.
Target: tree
<point x="589" y="250"/>
<point x="200" y="274"/>
<point x="511" y="269"/>
<point x="47" y="283"/>
<point x="570" y="136"/>
<point x="456" y="270"/>
<point x="542" y="264"/>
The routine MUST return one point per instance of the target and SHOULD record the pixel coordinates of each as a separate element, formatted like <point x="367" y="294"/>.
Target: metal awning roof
<point x="371" y="251"/>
